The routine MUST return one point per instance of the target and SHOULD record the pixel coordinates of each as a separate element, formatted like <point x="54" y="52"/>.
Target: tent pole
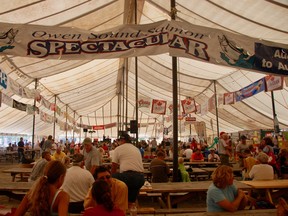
<point x="123" y="98"/>
<point x="175" y="103"/>
<point x="118" y="113"/>
<point x="66" y="125"/>
<point x="80" y="129"/>
<point x="54" y="122"/>
<point x="275" y="119"/>
<point x="216" y="108"/>
<point x="103" y="121"/>
<point x="74" y="116"/>
<point x="126" y="101"/>
<point x="136" y="80"/>
<point x="33" y="125"/>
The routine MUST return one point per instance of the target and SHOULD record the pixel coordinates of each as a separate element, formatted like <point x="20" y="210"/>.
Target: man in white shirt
<point x="77" y="183"/>
<point x="187" y="152"/>
<point x="129" y="160"/>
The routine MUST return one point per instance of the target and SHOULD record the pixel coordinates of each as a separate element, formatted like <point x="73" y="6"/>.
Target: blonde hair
<point x="222" y="176"/>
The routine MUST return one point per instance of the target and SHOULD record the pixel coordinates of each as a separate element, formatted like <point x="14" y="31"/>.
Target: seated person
<point x="159" y="168"/>
<point x="213" y="157"/>
<point x="197" y="156"/>
<point x="249" y="162"/>
<point x="262" y="171"/>
<point x="283" y="163"/>
<point x="119" y="190"/>
<point x="184" y="174"/>
<point x="77" y="182"/>
<point x="187" y="153"/>
<point x="38" y="168"/>
<point x="58" y="154"/>
<point x="101" y="193"/>
<point x="222" y="194"/>
<point x="45" y="198"/>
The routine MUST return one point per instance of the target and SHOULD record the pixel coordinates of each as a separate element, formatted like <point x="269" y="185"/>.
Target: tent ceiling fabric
<point x="89" y="88"/>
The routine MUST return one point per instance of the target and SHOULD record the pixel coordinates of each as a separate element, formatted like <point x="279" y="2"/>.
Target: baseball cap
<point x="126" y="137"/>
<point x="222" y="133"/>
<point x="86" y="141"/>
<point x="212" y="149"/>
<point x="77" y="158"/>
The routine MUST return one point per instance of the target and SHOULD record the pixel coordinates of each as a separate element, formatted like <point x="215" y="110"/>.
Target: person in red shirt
<point x="193" y="144"/>
<point x="197" y="156"/>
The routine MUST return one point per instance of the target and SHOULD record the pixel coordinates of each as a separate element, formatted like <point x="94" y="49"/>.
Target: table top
<point x="18" y="170"/>
<point x="15" y="186"/>
<point x="211" y="169"/>
<point x="270" y="184"/>
<point x="175" y="187"/>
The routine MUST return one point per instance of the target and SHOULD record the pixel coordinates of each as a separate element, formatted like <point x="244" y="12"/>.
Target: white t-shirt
<point x="188" y="153"/>
<point x="262" y="172"/>
<point x="77" y="183"/>
<point x="128" y="157"/>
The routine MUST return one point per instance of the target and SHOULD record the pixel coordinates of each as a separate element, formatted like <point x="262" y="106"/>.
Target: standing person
<point x="159" y="168"/>
<point x="77" y="183"/>
<point x="39" y="167"/>
<point x="101" y="193"/>
<point x="222" y="194"/>
<point x="128" y="158"/>
<point x="47" y="146"/>
<point x="91" y="155"/>
<point x="119" y="190"/>
<point x="20" y="149"/>
<point x="45" y="198"/>
<point x="224" y="148"/>
<point x="240" y="150"/>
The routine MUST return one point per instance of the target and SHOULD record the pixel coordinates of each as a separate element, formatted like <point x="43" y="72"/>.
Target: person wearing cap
<point x="213" y="157"/>
<point x="129" y="160"/>
<point x="77" y="183"/>
<point x="240" y="150"/>
<point x="92" y="155"/>
<point x="224" y="148"/>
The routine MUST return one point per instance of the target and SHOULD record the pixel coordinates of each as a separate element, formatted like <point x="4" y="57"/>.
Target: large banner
<point x="176" y="38"/>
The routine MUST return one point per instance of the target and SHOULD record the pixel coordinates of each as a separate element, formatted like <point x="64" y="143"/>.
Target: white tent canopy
<point x="89" y="89"/>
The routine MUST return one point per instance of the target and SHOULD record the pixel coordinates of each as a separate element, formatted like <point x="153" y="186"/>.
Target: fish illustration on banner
<point x="250" y="90"/>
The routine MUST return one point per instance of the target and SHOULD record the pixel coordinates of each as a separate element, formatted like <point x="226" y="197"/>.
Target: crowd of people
<point x="81" y="183"/>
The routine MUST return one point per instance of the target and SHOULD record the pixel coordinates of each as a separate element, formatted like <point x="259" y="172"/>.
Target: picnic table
<point x="18" y="170"/>
<point x="15" y="190"/>
<point x="268" y="186"/>
<point x="210" y="170"/>
<point x="186" y="189"/>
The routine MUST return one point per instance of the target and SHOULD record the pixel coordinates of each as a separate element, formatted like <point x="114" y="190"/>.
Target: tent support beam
<point x="54" y="122"/>
<point x="136" y="81"/>
<point x="216" y="108"/>
<point x="175" y="102"/>
<point x="33" y="124"/>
